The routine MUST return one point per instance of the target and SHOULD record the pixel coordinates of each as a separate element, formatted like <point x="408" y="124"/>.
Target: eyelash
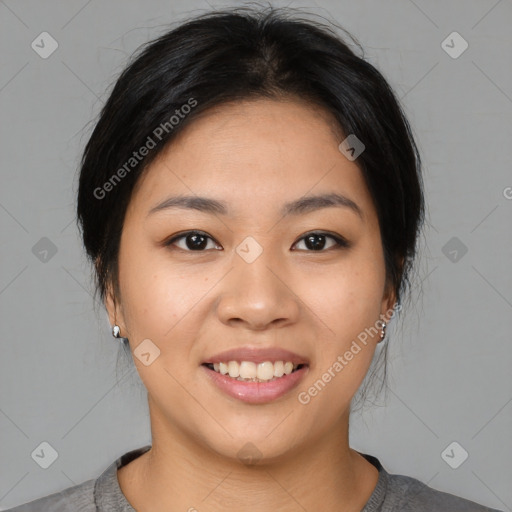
<point x="340" y="242"/>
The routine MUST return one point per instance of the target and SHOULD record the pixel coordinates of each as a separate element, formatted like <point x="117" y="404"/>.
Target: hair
<point x="243" y="54"/>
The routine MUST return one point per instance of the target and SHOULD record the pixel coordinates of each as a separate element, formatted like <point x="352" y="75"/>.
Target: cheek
<point x="348" y="297"/>
<point x="349" y="308"/>
<point x="159" y="298"/>
<point x="158" y="304"/>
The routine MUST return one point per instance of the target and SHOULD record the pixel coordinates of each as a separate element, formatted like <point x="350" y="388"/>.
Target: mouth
<point x="256" y="376"/>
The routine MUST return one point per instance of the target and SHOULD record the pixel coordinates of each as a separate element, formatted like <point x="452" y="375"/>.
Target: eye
<point x="197" y="241"/>
<point x="317" y="241"/>
<point x="193" y="241"/>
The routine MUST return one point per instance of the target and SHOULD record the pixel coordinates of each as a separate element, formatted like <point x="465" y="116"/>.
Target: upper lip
<point x="257" y="355"/>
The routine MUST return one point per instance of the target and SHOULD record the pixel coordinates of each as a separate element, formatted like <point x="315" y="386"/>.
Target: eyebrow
<point x="298" y="207"/>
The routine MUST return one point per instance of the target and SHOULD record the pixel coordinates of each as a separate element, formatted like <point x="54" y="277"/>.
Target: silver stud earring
<point x="383" y="332"/>
<point x="116" y="330"/>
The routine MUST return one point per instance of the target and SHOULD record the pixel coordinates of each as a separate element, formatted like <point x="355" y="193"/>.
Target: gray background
<point x="450" y="362"/>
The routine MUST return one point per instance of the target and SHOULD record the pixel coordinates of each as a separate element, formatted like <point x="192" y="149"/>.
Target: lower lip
<point x="256" y="392"/>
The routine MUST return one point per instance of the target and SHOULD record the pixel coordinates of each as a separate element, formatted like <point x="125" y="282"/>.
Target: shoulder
<point x="79" y="498"/>
<point x="402" y="493"/>
<point x="406" y="494"/>
<point x="98" y="494"/>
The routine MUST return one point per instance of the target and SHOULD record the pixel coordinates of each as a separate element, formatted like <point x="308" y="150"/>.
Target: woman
<point x="251" y="198"/>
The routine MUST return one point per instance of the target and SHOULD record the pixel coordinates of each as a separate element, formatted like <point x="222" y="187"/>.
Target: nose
<point x="258" y="295"/>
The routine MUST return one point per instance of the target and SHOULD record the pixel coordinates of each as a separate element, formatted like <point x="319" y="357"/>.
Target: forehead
<point x="253" y="154"/>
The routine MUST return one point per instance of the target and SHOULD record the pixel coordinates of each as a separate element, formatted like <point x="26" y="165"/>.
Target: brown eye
<point x="192" y="241"/>
<point x="319" y="240"/>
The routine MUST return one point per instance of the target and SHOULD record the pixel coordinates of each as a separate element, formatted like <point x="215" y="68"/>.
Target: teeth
<point x="288" y="368"/>
<point x="278" y="369"/>
<point x="249" y="371"/>
<point x="233" y="369"/>
<point x="265" y="371"/>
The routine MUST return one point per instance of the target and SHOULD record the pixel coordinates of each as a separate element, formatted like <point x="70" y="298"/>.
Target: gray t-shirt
<point x="392" y="493"/>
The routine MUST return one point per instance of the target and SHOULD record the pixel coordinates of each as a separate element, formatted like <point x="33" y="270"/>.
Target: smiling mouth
<point x="248" y="371"/>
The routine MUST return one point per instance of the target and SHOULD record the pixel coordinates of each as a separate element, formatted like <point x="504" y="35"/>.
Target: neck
<point x="178" y="473"/>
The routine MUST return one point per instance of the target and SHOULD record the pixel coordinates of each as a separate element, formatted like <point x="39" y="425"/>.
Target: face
<point x="253" y="276"/>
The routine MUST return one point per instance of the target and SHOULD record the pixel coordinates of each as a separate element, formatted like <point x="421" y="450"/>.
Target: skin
<point x="254" y="155"/>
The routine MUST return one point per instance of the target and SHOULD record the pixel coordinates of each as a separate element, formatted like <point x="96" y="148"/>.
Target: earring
<point x="116" y="332"/>
<point x="383" y="332"/>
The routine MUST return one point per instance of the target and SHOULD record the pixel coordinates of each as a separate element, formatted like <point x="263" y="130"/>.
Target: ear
<point x="388" y="301"/>
<point x="389" y="297"/>
<point x="114" y="310"/>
